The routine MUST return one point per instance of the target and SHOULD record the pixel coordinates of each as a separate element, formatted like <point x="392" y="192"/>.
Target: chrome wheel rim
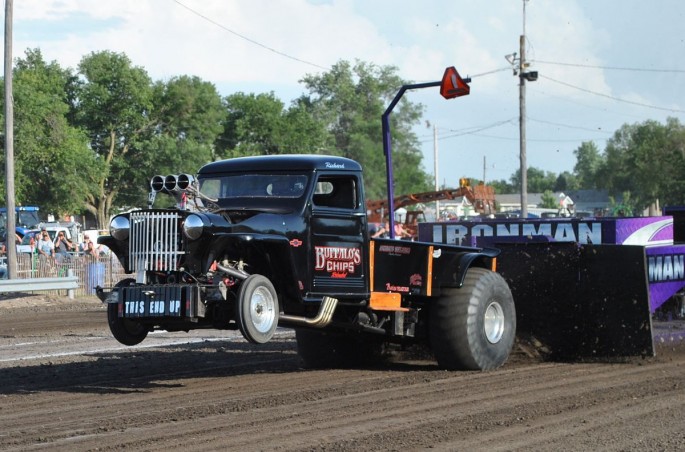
<point x="262" y="309"/>
<point x="493" y="322"/>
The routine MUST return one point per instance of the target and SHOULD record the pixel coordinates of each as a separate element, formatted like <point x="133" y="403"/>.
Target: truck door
<point x="339" y="255"/>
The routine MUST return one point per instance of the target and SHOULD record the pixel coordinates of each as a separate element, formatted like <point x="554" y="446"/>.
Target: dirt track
<point x="65" y="384"/>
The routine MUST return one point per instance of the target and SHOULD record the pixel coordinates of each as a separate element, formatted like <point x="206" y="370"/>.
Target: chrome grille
<point x="154" y="241"/>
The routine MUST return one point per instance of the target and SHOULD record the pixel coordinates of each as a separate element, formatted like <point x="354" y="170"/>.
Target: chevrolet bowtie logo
<point x="295" y="242"/>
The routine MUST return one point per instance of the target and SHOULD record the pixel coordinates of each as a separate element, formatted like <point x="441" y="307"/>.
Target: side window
<point x="338" y="192"/>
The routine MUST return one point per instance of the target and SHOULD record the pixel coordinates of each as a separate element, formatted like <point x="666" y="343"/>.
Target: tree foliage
<point x="647" y="160"/>
<point x="350" y="100"/>
<point x="112" y="101"/>
<point x="588" y="162"/>
<point x="53" y="164"/>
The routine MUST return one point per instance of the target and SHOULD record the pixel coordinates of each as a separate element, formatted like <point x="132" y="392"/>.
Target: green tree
<point x="538" y="180"/>
<point x="646" y="160"/>
<point x="112" y="101"/>
<point x="548" y="200"/>
<point x="350" y="100"/>
<point x="502" y="187"/>
<point x="588" y="162"/>
<point x="566" y="181"/>
<point x="53" y="165"/>
<point x="187" y="114"/>
<point x="259" y="124"/>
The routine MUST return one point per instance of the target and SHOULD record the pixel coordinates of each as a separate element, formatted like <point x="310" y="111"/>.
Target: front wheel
<point x="126" y="331"/>
<point x="257" y="309"/>
<point x="474" y="327"/>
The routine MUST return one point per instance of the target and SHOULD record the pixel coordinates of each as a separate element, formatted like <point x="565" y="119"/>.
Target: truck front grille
<point x="154" y="241"/>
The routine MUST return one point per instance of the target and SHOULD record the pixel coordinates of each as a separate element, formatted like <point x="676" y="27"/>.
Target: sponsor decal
<point x="393" y="288"/>
<point x="559" y="231"/>
<point x="394" y="249"/>
<point x="416" y="280"/>
<point x="339" y="261"/>
<point x="335" y="165"/>
<point x="667" y="267"/>
<point x="296" y="242"/>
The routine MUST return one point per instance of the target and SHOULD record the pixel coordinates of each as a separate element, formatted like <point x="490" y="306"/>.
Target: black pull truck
<point x="259" y="242"/>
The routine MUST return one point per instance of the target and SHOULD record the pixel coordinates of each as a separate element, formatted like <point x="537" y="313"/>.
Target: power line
<point x="252" y="41"/>
<point x="471" y="130"/>
<point x="674" y="110"/>
<point x="567" y="125"/>
<point x="615" y="68"/>
<point x="539" y="140"/>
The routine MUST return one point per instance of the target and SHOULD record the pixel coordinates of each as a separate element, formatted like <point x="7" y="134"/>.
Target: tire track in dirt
<point x="236" y="396"/>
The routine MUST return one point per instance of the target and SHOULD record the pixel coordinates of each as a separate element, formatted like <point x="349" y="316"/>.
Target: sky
<point x="601" y="63"/>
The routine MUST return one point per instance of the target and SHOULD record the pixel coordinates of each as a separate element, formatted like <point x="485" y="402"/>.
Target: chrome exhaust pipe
<point x="240" y="274"/>
<point x="322" y="319"/>
<point x="157" y="184"/>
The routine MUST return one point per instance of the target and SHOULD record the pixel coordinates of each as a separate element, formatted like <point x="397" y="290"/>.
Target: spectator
<point x="89" y="249"/>
<point x="45" y="246"/>
<point x="88" y="246"/>
<point x="62" y="245"/>
<point x="383" y="231"/>
<point x="400" y="232"/>
<point x="3" y="244"/>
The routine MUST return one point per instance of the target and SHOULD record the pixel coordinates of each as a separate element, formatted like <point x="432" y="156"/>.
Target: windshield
<point x="23" y="218"/>
<point x="254" y="186"/>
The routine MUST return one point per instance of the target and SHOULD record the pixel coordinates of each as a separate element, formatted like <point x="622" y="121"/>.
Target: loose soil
<point x="66" y="384"/>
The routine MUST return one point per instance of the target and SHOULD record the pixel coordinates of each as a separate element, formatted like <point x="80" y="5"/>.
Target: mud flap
<point x="580" y="301"/>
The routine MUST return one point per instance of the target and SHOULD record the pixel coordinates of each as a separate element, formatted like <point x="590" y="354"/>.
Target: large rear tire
<point x="257" y="309"/>
<point x="474" y="327"/>
<point x="126" y="331"/>
<point x="321" y="350"/>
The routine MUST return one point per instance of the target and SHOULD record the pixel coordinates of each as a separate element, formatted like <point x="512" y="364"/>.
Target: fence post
<point x="70" y="292"/>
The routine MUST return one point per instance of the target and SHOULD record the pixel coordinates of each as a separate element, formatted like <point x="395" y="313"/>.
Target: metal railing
<point x="89" y="271"/>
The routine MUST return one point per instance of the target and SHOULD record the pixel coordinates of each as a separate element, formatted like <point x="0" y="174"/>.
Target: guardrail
<point x="36" y="284"/>
<point x="104" y="271"/>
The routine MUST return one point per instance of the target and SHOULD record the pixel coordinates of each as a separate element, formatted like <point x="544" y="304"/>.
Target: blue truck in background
<point x="26" y="219"/>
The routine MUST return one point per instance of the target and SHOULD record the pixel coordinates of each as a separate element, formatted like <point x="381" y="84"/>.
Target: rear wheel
<point x="474" y="327"/>
<point x="319" y="350"/>
<point x="126" y="331"/>
<point x="257" y="309"/>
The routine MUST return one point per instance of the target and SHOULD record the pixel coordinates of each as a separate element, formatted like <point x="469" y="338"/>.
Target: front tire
<point x="474" y="327"/>
<point x="257" y="309"/>
<point x="126" y="331"/>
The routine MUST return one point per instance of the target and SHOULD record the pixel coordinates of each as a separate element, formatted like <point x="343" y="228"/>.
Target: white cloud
<point x="420" y="38"/>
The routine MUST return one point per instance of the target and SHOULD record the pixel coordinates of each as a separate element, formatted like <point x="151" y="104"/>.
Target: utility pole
<point x="484" y="170"/>
<point x="524" y="75"/>
<point x="435" y="169"/>
<point x="9" y="147"/>
<point x="522" y="122"/>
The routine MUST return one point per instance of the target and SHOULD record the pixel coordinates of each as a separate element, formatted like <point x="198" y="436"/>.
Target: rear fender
<point x="450" y="270"/>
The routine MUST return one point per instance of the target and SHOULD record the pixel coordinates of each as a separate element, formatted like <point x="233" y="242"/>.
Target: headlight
<point x="119" y="228"/>
<point x="193" y="226"/>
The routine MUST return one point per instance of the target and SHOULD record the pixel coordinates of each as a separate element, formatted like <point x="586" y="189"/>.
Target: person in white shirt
<point x="45" y="246"/>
